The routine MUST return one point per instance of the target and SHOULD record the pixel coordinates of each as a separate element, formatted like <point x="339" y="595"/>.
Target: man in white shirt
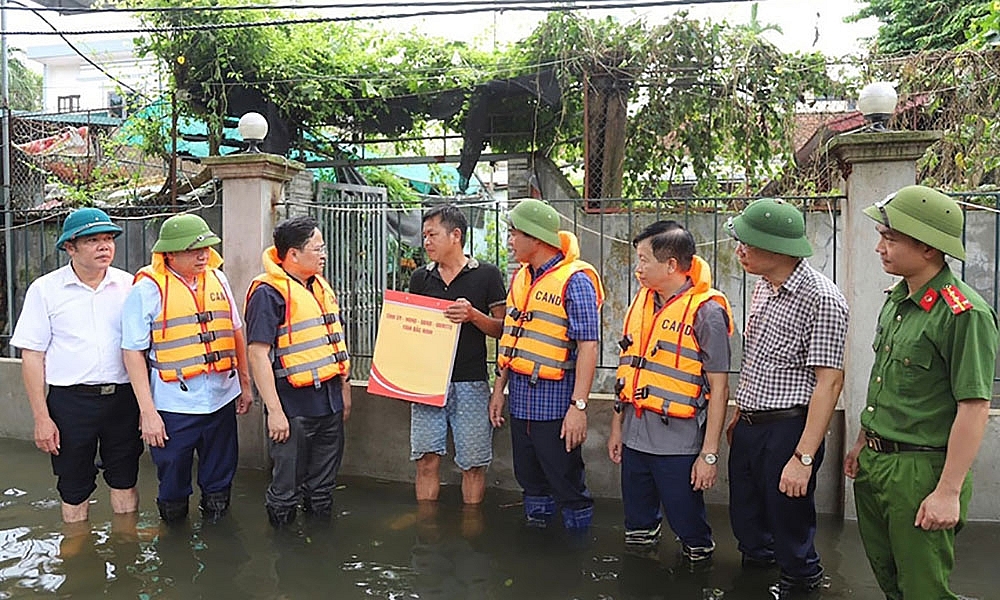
<point x="69" y="333"/>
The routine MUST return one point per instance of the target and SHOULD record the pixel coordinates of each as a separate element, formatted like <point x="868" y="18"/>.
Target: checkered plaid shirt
<point x="790" y="331"/>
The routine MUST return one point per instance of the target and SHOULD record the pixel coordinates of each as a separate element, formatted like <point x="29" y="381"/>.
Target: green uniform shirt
<point x="927" y="358"/>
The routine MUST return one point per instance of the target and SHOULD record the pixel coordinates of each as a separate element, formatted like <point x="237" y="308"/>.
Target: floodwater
<point x="382" y="545"/>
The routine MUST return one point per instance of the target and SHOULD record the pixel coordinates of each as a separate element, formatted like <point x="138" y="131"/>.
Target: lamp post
<point x="877" y="102"/>
<point x="253" y="130"/>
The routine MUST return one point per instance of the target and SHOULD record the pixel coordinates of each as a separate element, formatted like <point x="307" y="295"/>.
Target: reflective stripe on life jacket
<point x="193" y="334"/>
<point x="660" y="368"/>
<point x="535" y="340"/>
<point x="310" y="343"/>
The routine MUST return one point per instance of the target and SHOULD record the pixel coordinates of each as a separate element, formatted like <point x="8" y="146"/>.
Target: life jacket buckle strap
<point x="638" y="362"/>
<point x="618" y="406"/>
<point x="204" y="317"/>
<point x="619" y="385"/>
<point x="329" y="319"/>
<point x="517" y="331"/>
<point x="341" y="356"/>
<point x="626" y="342"/>
<point x="212" y="357"/>
<point x="641" y="393"/>
<point x="208" y="336"/>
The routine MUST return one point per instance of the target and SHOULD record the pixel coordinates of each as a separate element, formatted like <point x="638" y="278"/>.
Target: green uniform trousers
<point x="909" y="563"/>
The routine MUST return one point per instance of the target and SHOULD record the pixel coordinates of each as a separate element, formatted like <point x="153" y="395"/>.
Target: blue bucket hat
<point x="86" y="221"/>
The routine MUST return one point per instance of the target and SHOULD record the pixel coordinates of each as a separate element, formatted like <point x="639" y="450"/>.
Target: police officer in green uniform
<point x="928" y="399"/>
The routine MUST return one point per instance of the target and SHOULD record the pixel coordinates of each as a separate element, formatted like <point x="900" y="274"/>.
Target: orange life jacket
<point x="310" y="344"/>
<point x="660" y="368"/>
<point x="535" y="338"/>
<point x="193" y="334"/>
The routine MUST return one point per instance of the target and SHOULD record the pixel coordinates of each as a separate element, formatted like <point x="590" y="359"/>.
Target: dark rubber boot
<point x="279" y="518"/>
<point x="214" y="506"/>
<point x="172" y="511"/>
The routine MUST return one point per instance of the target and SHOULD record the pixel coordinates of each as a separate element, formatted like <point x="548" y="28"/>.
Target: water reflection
<point x="382" y="544"/>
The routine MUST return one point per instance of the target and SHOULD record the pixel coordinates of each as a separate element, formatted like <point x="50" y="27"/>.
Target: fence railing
<point x="375" y="244"/>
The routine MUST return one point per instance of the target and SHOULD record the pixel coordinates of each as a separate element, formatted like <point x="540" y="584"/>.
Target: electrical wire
<point x="72" y="47"/>
<point x="500" y="5"/>
<point x="590" y="5"/>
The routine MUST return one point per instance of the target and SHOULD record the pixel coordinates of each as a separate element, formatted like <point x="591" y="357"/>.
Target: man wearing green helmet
<point x="790" y="379"/>
<point x="928" y="398"/>
<point x="183" y="344"/>
<point x="548" y="354"/>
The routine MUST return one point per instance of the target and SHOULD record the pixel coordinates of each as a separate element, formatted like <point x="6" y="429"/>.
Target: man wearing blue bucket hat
<point x="790" y="379"/>
<point x="69" y="333"/>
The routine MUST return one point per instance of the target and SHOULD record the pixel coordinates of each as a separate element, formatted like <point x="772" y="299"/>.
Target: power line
<point x="492" y="4"/>
<point x="77" y="50"/>
<point x="491" y="7"/>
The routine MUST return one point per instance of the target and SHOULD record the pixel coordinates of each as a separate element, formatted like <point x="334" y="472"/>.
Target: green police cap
<point x="184" y="232"/>
<point x="537" y="219"/>
<point x="925" y="215"/>
<point x="86" y="221"/>
<point x="773" y="225"/>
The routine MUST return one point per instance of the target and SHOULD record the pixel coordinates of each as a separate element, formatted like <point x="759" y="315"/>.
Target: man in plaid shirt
<point x="790" y="379"/>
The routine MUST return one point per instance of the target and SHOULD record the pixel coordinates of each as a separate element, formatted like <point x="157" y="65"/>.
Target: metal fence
<point x="32" y="236"/>
<point x="375" y="244"/>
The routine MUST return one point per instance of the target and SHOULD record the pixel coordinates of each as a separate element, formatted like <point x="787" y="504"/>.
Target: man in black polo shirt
<point x="478" y="293"/>
<point x="299" y="363"/>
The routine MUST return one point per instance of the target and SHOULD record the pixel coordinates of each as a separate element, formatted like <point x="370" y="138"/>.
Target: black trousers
<point x="306" y="464"/>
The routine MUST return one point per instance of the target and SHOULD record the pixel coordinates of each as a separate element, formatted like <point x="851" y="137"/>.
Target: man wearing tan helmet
<point x="928" y="398"/>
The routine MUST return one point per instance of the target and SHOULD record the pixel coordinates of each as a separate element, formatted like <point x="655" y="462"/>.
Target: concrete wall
<point x="378" y="446"/>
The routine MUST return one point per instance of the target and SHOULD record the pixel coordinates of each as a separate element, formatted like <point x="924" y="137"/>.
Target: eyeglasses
<point x="317" y="249"/>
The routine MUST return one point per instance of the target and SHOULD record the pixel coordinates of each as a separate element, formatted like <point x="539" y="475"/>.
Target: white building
<point x="71" y="83"/>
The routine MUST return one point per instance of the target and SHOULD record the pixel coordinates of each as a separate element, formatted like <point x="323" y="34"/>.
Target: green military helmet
<point x="537" y="219"/>
<point x="774" y="225"/>
<point x="184" y="232"/>
<point x="925" y="215"/>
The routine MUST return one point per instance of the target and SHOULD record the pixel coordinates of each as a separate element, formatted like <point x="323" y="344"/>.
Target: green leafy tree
<point x="985" y="30"/>
<point x="318" y="74"/>
<point x="707" y="101"/>
<point x="917" y="25"/>
<point x="25" y="86"/>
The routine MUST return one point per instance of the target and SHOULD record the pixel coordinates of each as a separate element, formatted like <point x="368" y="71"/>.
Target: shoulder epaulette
<point x="956" y="300"/>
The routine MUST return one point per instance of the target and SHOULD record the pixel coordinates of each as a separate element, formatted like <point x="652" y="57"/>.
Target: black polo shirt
<point x="264" y="315"/>
<point x="482" y="285"/>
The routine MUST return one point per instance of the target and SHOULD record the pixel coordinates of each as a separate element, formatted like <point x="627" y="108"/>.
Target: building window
<point x="116" y="105"/>
<point x="68" y="103"/>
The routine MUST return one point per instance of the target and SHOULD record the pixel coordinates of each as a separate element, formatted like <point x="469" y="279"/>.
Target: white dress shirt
<point x="77" y="327"/>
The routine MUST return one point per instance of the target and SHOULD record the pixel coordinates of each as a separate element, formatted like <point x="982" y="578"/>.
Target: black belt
<point x="883" y="445"/>
<point x="756" y="417"/>
<point x="97" y="389"/>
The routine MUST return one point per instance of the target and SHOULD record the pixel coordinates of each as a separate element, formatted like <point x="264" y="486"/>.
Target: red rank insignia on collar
<point x="927" y="301"/>
<point x="957" y="301"/>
